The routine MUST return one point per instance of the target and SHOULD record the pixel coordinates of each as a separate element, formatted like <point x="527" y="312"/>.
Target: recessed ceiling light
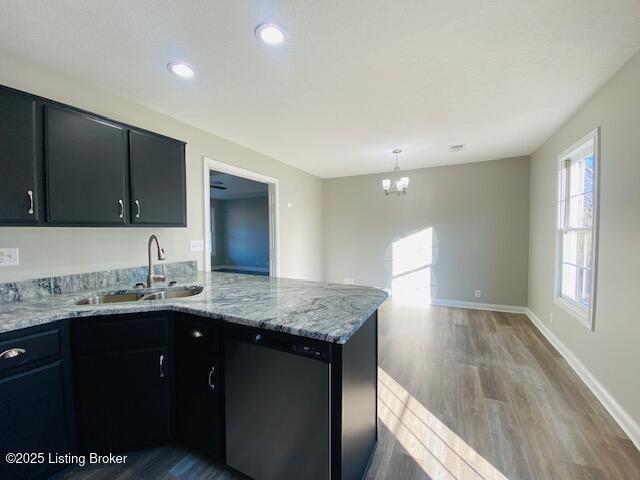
<point x="270" y="33"/>
<point x="181" y="69"/>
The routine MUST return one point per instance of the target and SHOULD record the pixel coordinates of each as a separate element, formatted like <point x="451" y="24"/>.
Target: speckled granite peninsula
<point x="199" y="359"/>
<point x="328" y="312"/>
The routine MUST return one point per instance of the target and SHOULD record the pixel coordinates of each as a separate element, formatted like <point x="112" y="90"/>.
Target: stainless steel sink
<point x="136" y="296"/>
<point x="110" y="298"/>
<point x="174" y="293"/>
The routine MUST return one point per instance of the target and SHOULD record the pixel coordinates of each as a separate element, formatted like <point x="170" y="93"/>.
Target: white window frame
<point x="586" y="316"/>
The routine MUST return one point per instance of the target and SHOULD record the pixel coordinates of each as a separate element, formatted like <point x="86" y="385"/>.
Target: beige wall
<point x="477" y="215"/>
<point x="474" y="215"/>
<point x="67" y="250"/>
<point x="612" y="352"/>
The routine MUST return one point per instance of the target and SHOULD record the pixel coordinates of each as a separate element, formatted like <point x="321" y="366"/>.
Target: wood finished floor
<point x="463" y="394"/>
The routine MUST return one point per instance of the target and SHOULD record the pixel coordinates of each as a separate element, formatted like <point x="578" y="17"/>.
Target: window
<point x="577" y="228"/>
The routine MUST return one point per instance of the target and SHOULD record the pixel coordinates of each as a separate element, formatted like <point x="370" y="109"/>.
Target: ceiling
<point x="237" y="187"/>
<point x="354" y="79"/>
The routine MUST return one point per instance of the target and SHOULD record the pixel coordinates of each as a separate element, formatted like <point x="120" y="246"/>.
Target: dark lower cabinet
<point x="158" y="188"/>
<point x="86" y="160"/>
<point x="269" y="404"/>
<point x="123" y="378"/>
<point x="33" y="420"/>
<point x="123" y="400"/>
<point x="21" y="160"/>
<point x="36" y="406"/>
<point x="199" y="383"/>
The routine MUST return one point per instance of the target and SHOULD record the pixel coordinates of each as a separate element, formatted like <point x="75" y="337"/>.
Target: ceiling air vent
<point x="456" y="148"/>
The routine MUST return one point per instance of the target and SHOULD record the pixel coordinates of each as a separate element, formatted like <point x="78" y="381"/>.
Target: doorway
<point x="240" y="210"/>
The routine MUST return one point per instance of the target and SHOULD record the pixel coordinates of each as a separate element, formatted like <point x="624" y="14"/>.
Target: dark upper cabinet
<point x="158" y="191"/>
<point x="86" y="160"/>
<point x="67" y="167"/>
<point x="20" y="159"/>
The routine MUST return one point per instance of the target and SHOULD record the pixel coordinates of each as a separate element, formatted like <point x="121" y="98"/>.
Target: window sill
<point x="580" y="314"/>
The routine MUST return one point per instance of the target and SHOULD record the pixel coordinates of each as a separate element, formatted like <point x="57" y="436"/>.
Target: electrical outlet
<point x="478" y="293"/>
<point x="349" y="281"/>
<point x="9" y="257"/>
<point x="550" y="317"/>
<point x="196" y="245"/>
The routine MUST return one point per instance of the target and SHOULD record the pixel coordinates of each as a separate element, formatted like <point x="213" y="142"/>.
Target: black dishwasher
<point x="277" y="405"/>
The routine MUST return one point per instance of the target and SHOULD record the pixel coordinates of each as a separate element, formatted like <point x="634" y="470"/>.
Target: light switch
<point x="196" y="245"/>
<point x="9" y="257"/>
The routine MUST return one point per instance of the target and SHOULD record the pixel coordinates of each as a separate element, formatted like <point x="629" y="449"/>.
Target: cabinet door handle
<point x="161" y="366"/>
<point x="12" y="353"/>
<point x="212" y="385"/>
<point x="30" y="193"/>
<point x="137" y="209"/>
<point x="121" y="203"/>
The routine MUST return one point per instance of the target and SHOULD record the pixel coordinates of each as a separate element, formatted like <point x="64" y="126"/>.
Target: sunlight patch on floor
<point x="433" y="446"/>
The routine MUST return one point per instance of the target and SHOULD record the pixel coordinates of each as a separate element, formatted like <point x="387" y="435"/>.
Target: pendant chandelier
<point x="397" y="185"/>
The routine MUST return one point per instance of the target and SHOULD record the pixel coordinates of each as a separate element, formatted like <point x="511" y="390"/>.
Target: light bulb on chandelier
<point x="397" y="185"/>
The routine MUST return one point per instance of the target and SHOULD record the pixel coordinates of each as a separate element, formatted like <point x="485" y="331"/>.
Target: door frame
<point x="274" y="225"/>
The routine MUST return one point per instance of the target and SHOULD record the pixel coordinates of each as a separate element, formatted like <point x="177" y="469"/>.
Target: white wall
<point x="45" y="251"/>
<point x="611" y="354"/>
<point x="459" y="228"/>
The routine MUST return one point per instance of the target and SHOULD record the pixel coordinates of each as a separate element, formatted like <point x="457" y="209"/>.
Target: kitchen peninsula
<point x="275" y="377"/>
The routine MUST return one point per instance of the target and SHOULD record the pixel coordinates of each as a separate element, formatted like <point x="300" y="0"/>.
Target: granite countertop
<point x="328" y="312"/>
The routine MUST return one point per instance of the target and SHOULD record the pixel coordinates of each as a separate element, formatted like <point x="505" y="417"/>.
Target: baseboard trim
<point x="241" y="269"/>
<point x="628" y="425"/>
<point x="494" y="307"/>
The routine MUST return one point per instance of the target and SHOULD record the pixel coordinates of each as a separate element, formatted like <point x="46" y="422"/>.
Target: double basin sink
<point x="120" y="297"/>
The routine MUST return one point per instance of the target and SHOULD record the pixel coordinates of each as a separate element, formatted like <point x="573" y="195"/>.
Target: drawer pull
<point x="12" y="353"/>
<point x="212" y="385"/>
<point x="161" y="366"/>
<point x="196" y="334"/>
<point x="30" y="193"/>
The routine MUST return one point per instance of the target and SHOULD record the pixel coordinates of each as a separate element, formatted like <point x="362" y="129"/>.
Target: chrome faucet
<point x="151" y="277"/>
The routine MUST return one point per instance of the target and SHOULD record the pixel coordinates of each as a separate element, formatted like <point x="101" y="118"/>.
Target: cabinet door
<point x="158" y="192"/>
<point x="86" y="161"/>
<point x="33" y="419"/>
<point x="199" y="390"/>
<point x="20" y="159"/>
<point x="123" y="400"/>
